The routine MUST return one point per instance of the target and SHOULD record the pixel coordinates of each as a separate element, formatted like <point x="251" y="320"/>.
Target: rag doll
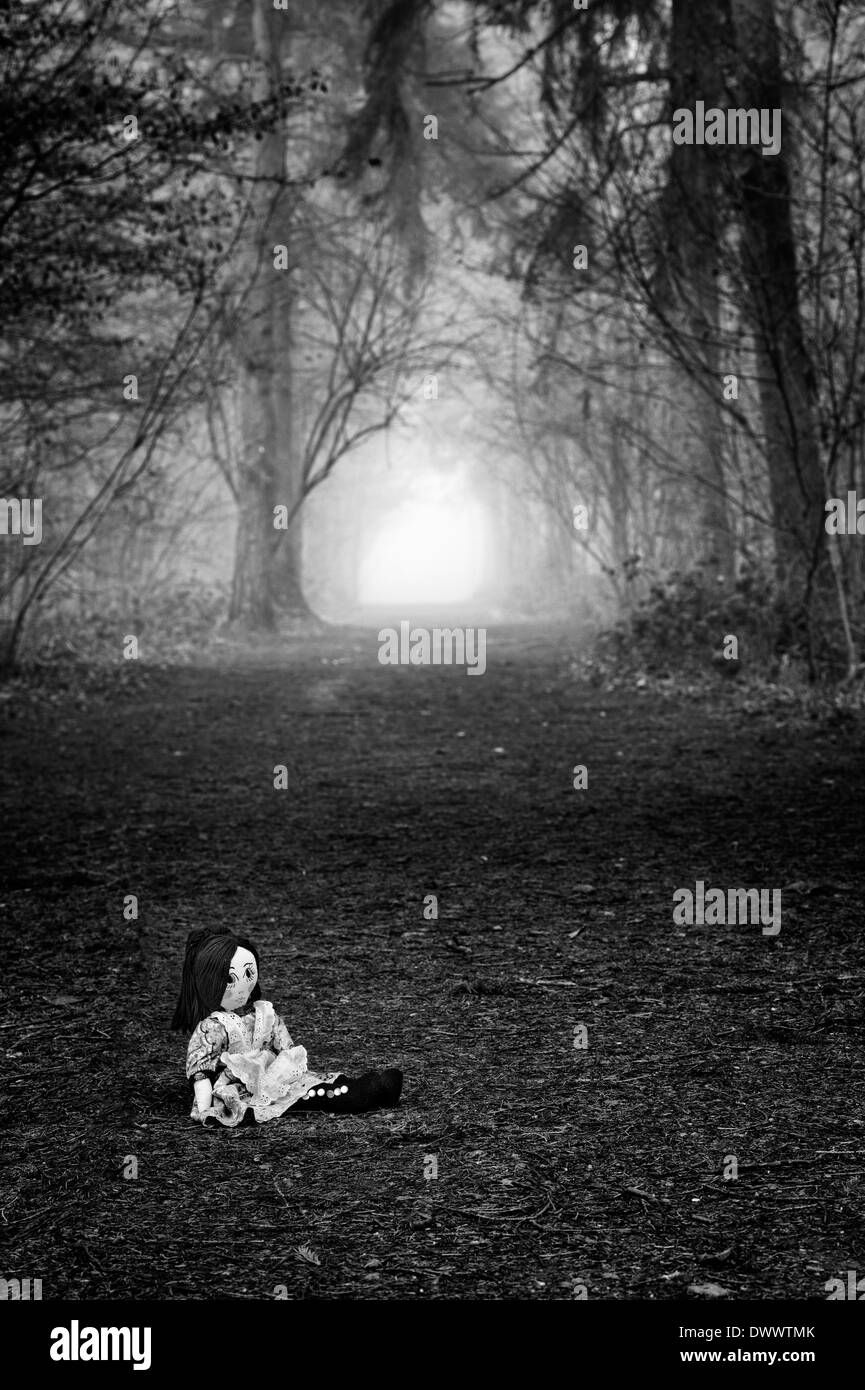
<point x="241" y="1061"/>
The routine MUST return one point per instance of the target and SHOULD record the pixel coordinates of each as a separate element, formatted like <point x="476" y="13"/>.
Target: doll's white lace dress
<point x="252" y="1063"/>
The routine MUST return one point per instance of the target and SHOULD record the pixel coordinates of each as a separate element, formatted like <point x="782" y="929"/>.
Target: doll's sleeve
<point x="205" y="1046"/>
<point x="280" y="1038"/>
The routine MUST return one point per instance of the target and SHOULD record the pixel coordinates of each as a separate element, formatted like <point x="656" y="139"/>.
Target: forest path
<point x="556" y="1165"/>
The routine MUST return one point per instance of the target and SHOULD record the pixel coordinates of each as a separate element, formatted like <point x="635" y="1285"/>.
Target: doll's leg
<point x="323" y="1097"/>
<point x="345" y="1096"/>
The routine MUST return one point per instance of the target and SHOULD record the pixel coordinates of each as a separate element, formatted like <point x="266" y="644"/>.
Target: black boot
<point x="344" y="1096"/>
<point x="376" y="1090"/>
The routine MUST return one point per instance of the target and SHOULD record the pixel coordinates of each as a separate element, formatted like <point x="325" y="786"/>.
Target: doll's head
<point x="220" y="971"/>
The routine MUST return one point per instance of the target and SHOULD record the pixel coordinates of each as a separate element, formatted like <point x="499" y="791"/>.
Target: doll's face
<point x="242" y="975"/>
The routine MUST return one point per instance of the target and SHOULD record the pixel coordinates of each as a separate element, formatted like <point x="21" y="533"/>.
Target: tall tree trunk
<point x="788" y="393"/>
<point x="268" y="560"/>
<point x="694" y="62"/>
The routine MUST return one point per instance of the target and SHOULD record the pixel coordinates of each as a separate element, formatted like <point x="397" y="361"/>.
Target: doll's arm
<point x="203" y="1094"/>
<point x="206" y="1045"/>
<point x="280" y="1038"/>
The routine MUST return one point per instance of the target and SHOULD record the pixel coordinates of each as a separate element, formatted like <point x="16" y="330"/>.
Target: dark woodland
<point x="433" y="445"/>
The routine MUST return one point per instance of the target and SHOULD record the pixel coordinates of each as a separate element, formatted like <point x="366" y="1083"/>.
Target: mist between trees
<point x="272" y="272"/>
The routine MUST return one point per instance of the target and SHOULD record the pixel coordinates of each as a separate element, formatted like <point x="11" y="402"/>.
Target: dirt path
<point x="557" y="1165"/>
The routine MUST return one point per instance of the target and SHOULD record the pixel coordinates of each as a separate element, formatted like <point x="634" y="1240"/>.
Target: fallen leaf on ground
<point x="309" y="1256"/>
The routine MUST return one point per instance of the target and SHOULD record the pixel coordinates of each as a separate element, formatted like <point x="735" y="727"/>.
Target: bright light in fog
<point x="426" y="551"/>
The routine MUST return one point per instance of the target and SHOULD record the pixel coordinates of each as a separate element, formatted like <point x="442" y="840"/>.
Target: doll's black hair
<point x="205" y="974"/>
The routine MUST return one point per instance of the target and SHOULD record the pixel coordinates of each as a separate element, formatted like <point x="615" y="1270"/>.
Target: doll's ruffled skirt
<point x="261" y="1081"/>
